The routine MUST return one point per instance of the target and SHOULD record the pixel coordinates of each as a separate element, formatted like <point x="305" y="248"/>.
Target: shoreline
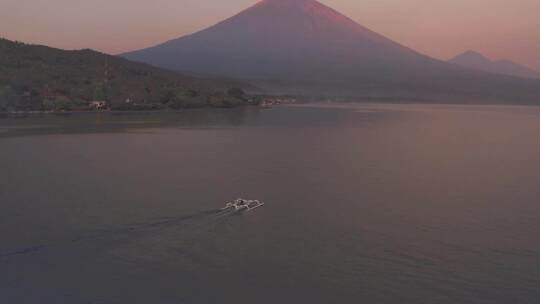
<point x="76" y="112"/>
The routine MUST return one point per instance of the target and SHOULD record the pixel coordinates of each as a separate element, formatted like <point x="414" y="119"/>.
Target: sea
<point x="364" y="203"/>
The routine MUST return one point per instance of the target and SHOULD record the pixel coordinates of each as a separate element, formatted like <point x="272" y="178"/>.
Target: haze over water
<point x="364" y="203"/>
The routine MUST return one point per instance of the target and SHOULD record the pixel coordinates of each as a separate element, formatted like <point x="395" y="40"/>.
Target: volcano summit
<point x="304" y="47"/>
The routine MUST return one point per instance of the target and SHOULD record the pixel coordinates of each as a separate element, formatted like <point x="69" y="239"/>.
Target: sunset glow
<point x="441" y="29"/>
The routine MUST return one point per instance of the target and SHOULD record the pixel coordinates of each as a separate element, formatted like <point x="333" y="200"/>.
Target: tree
<point x="236" y="93"/>
<point x="168" y="97"/>
<point x="62" y="103"/>
<point x="3" y="99"/>
<point x="48" y="104"/>
<point x="191" y="93"/>
<point x="216" y="100"/>
<point x="100" y="93"/>
<point x="180" y="98"/>
<point x="8" y="98"/>
<point x="231" y="102"/>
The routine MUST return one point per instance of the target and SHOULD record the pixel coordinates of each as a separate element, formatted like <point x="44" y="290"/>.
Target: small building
<point x="98" y="105"/>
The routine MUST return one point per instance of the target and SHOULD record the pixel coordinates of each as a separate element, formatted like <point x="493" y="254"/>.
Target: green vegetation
<point x="4" y="97"/>
<point x="39" y="78"/>
<point x="237" y="93"/>
<point x="61" y="103"/>
<point x="181" y="98"/>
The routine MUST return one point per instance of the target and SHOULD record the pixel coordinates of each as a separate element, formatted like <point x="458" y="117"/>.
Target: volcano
<point x="304" y="47"/>
<point x="478" y="61"/>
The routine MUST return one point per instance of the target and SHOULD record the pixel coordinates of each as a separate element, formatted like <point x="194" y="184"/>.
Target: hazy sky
<point x="440" y="28"/>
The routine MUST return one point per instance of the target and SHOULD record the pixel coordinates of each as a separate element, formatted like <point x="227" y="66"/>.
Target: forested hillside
<point x="40" y="78"/>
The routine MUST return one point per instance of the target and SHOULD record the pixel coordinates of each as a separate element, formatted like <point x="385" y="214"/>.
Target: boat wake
<point x="188" y="224"/>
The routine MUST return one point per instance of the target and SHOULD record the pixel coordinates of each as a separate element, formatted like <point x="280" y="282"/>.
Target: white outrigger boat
<point x="241" y="205"/>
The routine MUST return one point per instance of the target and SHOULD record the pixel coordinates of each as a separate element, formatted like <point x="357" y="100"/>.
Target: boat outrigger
<point x="241" y="205"/>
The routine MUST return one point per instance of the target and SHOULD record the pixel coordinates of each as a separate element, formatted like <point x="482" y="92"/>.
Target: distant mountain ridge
<point x="306" y="48"/>
<point x="475" y="60"/>
<point x="35" y="78"/>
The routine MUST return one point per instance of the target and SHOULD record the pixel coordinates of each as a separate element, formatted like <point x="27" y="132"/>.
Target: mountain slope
<point x="41" y="78"/>
<point x="475" y="60"/>
<point x="305" y="47"/>
<point x="277" y="38"/>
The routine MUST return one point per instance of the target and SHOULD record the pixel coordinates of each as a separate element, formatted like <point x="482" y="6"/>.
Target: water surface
<point x="365" y="204"/>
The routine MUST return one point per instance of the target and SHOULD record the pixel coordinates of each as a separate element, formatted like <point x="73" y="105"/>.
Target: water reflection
<point x="36" y="124"/>
<point x="374" y="204"/>
<point x="42" y="124"/>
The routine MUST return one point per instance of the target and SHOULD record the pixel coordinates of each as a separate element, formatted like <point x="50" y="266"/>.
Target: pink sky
<point x="440" y="28"/>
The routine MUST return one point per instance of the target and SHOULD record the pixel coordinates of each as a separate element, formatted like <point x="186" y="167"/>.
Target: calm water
<point x="365" y="204"/>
